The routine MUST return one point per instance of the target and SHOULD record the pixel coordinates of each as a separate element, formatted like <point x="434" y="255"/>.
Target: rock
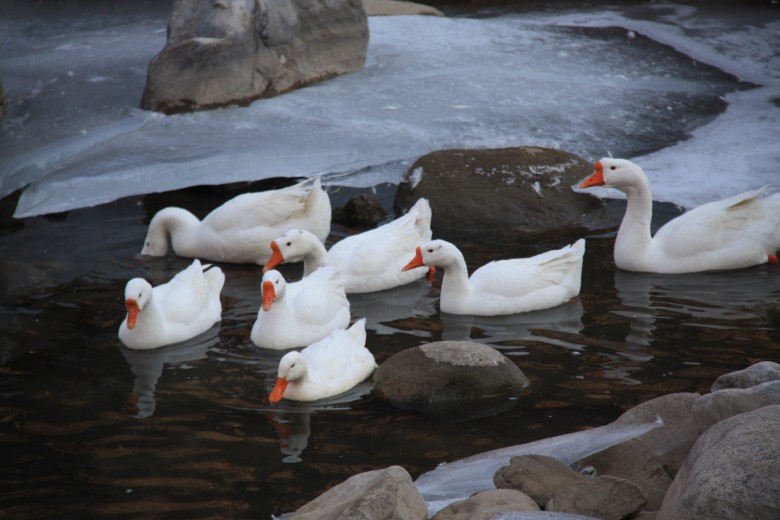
<point x="455" y="380"/>
<point x="485" y="504"/>
<point x="387" y="494"/>
<point x="538" y="476"/>
<point x="751" y="376"/>
<point x="605" y="497"/>
<point x="651" y="460"/>
<point x="516" y="190"/>
<point x="392" y="7"/>
<point x="364" y="210"/>
<point x="3" y="100"/>
<point x="732" y="472"/>
<point x="17" y="277"/>
<point x="722" y="404"/>
<point x="222" y="52"/>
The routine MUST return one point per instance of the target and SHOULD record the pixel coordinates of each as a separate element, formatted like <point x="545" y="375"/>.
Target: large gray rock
<point x="732" y="472"/>
<point x="486" y="504"/>
<point x="719" y="405"/>
<point x="222" y="52"/>
<point x="538" y="476"/>
<point x="751" y="376"/>
<point x="605" y="497"/>
<point x="384" y="494"/>
<point x="515" y="190"/>
<point x="651" y="460"/>
<point x="455" y="380"/>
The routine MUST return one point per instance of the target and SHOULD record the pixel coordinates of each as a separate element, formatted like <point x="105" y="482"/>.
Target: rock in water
<point x="235" y="51"/>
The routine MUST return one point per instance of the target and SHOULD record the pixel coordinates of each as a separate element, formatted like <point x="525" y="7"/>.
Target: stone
<point x="719" y="405"/>
<point x="651" y="460"/>
<point x="538" y="476"/>
<point x="19" y="277"/>
<point x="395" y="8"/>
<point x="511" y="190"/>
<point x="3" y="100"/>
<point x="227" y="52"/>
<point x="453" y="380"/>
<point x="364" y="210"/>
<point x="751" y="376"/>
<point x="605" y="497"/>
<point x="732" y="472"/>
<point x="386" y="494"/>
<point x="485" y="504"/>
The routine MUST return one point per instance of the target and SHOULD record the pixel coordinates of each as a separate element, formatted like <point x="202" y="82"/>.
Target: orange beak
<point x="417" y="261"/>
<point x="596" y="179"/>
<point x="278" y="391"/>
<point x="276" y="257"/>
<point x="132" y="312"/>
<point x="269" y="295"/>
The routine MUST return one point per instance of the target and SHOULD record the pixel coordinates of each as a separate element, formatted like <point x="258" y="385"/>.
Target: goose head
<point x="292" y="367"/>
<point x="138" y="292"/>
<point x="616" y="173"/>
<point x="434" y="253"/>
<point x="292" y="246"/>
<point x="273" y="288"/>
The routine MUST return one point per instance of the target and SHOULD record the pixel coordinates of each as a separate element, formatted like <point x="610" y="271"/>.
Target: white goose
<point x="326" y="368"/>
<point x="736" y="232"/>
<point x="504" y="286"/>
<point x="300" y="313"/>
<point x="369" y="261"/>
<point x="239" y="231"/>
<point x="172" y="312"/>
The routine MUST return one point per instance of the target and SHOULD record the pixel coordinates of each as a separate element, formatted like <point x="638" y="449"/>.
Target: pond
<point x="90" y="428"/>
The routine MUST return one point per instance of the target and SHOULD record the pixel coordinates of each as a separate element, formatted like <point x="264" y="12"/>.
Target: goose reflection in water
<point x="147" y="366"/>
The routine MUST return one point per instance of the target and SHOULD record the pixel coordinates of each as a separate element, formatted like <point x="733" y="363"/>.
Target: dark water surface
<point x="91" y="429"/>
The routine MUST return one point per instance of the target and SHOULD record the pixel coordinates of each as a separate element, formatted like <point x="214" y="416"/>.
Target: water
<point x="90" y="428"/>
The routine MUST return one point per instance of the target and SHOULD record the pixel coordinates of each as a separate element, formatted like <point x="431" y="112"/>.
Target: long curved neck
<point x="634" y="238"/>
<point x="181" y="225"/>
<point x="317" y="257"/>
<point x="455" y="283"/>
<point x="150" y="320"/>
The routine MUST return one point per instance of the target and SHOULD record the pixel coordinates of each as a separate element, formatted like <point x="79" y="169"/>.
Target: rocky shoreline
<point x="711" y="456"/>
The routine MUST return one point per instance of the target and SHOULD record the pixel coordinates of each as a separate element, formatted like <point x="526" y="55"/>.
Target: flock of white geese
<point x="291" y="225"/>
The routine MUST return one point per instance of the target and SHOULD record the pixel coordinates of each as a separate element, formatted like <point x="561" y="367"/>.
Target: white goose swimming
<point x="326" y="368"/>
<point x="736" y="232"/>
<point x="369" y="261"/>
<point x="504" y="286"/>
<point x="172" y="312"/>
<point x="240" y="230"/>
<point x="298" y="314"/>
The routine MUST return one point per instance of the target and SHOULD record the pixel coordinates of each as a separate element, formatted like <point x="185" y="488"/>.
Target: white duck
<point x="298" y="314"/>
<point x="172" y="312"/>
<point x="504" y="286"/>
<point x="736" y="232"/>
<point x="326" y="368"/>
<point x="240" y="230"/>
<point x="369" y="261"/>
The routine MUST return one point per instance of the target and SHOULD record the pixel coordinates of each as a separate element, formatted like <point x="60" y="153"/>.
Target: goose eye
<point x="148" y="244"/>
<point x="613" y="167"/>
<point x="289" y="244"/>
<point x="430" y="250"/>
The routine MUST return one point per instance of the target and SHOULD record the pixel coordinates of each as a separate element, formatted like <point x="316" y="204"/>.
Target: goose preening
<point x="503" y="286"/>
<point x="300" y="313"/>
<point x="740" y="231"/>
<point x="326" y="368"/>
<point x="240" y="230"/>
<point x="173" y="312"/>
<point x="369" y="261"/>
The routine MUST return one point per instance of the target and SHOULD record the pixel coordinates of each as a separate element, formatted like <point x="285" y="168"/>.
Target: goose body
<point x="326" y="368"/>
<point x="504" y="286"/>
<point x="370" y="261"/>
<point x="300" y="313"/>
<point x="740" y="231"/>
<point x="240" y="230"/>
<point x="176" y="311"/>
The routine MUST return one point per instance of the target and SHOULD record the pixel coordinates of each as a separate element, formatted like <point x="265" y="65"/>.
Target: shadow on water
<point x="93" y="429"/>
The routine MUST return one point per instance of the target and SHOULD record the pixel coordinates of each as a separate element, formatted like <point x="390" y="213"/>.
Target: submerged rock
<point x="454" y="380"/>
<point x="516" y="190"/>
<point x="233" y="52"/>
